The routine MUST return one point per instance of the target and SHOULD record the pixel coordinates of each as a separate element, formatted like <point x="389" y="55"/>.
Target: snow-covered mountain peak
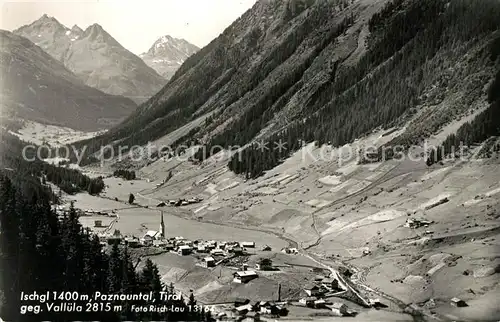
<point x="167" y="54"/>
<point x="163" y="40"/>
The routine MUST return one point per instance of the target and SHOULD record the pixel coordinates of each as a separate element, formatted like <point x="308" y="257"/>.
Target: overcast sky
<point x="136" y="24"/>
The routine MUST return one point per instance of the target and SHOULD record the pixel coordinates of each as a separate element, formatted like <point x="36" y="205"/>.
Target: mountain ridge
<point x="325" y="71"/>
<point x="40" y="88"/>
<point x="95" y="57"/>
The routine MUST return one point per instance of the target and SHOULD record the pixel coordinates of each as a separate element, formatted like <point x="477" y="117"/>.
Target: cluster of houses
<point x="245" y="275"/>
<point x="149" y="239"/>
<point x="322" y="286"/>
<point x="110" y="239"/>
<point x="417" y="223"/>
<point x="212" y="249"/>
<point x="180" y="202"/>
<point x="184" y="246"/>
<point x="315" y="296"/>
<point x="337" y="308"/>
<point x="94" y="213"/>
<point x="252" y="311"/>
<point x="62" y="210"/>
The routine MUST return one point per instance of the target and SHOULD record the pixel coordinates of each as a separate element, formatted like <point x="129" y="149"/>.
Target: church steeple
<point x="162" y="226"/>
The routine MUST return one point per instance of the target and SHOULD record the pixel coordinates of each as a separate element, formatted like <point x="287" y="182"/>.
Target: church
<point x="152" y="235"/>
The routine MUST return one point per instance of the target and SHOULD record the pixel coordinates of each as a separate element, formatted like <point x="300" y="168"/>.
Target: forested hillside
<point x="239" y="69"/>
<point x="325" y="71"/>
<point x="27" y="164"/>
<point x="363" y="103"/>
<point x="485" y="126"/>
<point x="39" y="252"/>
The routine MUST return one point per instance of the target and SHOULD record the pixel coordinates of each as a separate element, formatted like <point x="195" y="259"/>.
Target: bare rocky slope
<point x="37" y="87"/>
<point x="95" y="57"/>
<point x="167" y="54"/>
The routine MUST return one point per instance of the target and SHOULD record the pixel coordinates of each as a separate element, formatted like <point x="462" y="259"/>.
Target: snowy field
<point x="53" y="135"/>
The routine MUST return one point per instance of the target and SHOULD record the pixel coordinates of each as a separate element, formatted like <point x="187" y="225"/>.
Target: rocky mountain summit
<point x="167" y="54"/>
<point x="95" y="57"/>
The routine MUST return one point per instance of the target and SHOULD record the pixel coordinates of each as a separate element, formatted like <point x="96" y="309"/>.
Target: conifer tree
<point x="115" y="271"/>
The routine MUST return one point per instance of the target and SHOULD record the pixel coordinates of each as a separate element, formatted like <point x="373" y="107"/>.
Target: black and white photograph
<point x="250" y="160"/>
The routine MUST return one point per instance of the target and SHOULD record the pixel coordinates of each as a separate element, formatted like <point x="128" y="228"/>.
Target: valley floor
<point x="354" y="216"/>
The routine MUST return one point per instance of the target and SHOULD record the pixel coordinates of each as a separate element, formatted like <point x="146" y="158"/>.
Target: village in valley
<point x="315" y="160"/>
<point x="293" y="283"/>
<point x="280" y="269"/>
<point x="317" y="294"/>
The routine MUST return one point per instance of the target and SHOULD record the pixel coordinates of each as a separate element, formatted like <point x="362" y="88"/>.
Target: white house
<point x="152" y="234"/>
<point x="184" y="250"/>
<point x="264" y="266"/>
<point x="319" y="303"/>
<point x="248" y="244"/>
<point x="217" y="252"/>
<point x="312" y="290"/>
<point x="159" y="243"/>
<point x="330" y="283"/>
<point x="458" y="302"/>
<point x="208" y="262"/>
<point x="339" y="309"/>
<point x="236" y="251"/>
<point x="244" y="276"/>
<point x="265" y="307"/>
<point x="244" y="309"/>
<point x="307" y="301"/>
